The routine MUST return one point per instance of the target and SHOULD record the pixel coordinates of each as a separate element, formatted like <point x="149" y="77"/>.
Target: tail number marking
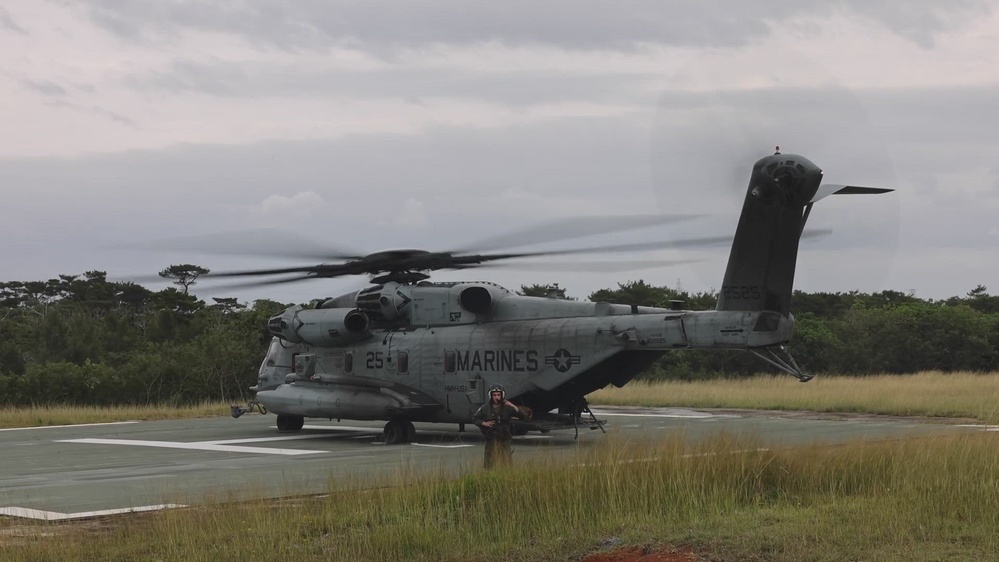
<point x="741" y="292"/>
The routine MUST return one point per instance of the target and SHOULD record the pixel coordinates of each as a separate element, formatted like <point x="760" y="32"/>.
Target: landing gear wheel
<point x="397" y="431"/>
<point x="290" y="423"/>
<point x="519" y="430"/>
<point x="410" y="432"/>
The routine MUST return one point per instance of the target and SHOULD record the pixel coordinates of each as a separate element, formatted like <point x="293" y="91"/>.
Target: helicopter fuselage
<point x="431" y="350"/>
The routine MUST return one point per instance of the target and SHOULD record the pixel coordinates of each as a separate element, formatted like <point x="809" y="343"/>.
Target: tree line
<point x="83" y="339"/>
<point x="849" y="333"/>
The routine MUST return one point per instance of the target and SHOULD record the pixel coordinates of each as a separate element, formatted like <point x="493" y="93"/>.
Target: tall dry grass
<point x="31" y="416"/>
<point x="926" y="499"/>
<point x="933" y="393"/>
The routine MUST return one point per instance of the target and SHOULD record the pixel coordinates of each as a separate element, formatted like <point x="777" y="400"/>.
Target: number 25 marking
<point x="375" y="360"/>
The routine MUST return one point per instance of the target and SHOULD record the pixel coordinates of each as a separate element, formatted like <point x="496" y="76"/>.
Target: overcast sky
<point x="366" y="126"/>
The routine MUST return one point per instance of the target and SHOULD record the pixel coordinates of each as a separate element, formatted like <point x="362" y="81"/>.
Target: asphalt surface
<point x="69" y="472"/>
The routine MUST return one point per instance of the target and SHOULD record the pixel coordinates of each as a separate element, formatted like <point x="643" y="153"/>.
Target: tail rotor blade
<point x="827" y="189"/>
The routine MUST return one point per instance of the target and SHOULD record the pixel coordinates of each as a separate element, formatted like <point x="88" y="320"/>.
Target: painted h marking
<point x="28" y="513"/>
<point x="67" y="425"/>
<point x="193" y="446"/>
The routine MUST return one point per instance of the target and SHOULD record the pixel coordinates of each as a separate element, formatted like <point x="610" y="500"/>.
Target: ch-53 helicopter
<point x="410" y="350"/>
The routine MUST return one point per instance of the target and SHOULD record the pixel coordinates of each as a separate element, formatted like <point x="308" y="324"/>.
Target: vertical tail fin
<point x="760" y="271"/>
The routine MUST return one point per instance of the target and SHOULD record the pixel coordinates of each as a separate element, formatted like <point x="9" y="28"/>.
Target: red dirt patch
<point x="636" y="554"/>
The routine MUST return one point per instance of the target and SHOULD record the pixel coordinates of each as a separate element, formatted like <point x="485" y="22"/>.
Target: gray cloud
<point x="47" y="87"/>
<point x="218" y="78"/>
<point x="108" y="114"/>
<point x="318" y="25"/>
<point x="113" y="116"/>
<point x="919" y="22"/>
<point x="964" y="116"/>
<point x="514" y="88"/>
<point x="8" y="23"/>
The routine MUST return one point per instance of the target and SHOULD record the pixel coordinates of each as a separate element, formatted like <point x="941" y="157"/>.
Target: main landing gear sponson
<point x="290" y="423"/>
<point x="398" y="431"/>
<point x="395" y="432"/>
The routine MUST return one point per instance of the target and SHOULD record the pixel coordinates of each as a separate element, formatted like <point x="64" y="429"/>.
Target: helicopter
<point x="407" y="349"/>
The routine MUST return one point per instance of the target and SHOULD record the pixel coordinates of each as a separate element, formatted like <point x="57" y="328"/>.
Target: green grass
<point x="972" y="395"/>
<point x="916" y="499"/>
<point x="32" y="416"/>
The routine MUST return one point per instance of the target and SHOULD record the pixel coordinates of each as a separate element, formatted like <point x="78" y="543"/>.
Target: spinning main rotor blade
<point x="637" y="247"/>
<point x="322" y="270"/>
<point x="444" y="260"/>
<point x="631" y="247"/>
<point x="576" y="227"/>
<point x="252" y="242"/>
<point x="254" y="284"/>
<point x="590" y="266"/>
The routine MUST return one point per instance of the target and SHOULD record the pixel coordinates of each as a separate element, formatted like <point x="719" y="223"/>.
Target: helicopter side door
<point x="459" y="391"/>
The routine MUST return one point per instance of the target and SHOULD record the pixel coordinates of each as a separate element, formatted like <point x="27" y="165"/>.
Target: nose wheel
<point x="290" y="423"/>
<point x="399" y="431"/>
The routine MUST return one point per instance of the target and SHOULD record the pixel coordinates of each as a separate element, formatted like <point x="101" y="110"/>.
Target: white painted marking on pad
<point x="683" y="414"/>
<point x="441" y="446"/>
<point x="28" y="513"/>
<point x="344" y="428"/>
<point x="265" y="439"/>
<point x="69" y="425"/>
<point x="533" y="437"/>
<point x="193" y="446"/>
<point x="979" y="426"/>
<point x="686" y="456"/>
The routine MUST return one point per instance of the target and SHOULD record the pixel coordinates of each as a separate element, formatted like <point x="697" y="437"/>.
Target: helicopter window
<point x="348" y="362"/>
<point x="402" y="362"/>
<point x="450" y="362"/>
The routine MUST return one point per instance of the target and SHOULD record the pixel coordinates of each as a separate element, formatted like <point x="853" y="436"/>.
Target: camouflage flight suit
<point x="498" y="437"/>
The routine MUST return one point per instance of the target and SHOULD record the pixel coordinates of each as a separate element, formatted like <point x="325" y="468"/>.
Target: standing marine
<point x="494" y="418"/>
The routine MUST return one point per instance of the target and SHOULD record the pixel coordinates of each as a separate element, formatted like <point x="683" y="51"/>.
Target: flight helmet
<point x="497" y="388"/>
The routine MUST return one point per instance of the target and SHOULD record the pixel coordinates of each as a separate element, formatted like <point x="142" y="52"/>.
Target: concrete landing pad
<point x="79" y="471"/>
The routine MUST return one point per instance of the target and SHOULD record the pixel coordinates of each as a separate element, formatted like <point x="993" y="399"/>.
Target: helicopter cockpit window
<point x="348" y="362"/>
<point x="450" y="362"/>
<point x="402" y="362"/>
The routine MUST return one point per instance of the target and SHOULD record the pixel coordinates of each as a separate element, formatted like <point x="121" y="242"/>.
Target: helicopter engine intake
<point x="478" y="299"/>
<point x="320" y="327"/>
